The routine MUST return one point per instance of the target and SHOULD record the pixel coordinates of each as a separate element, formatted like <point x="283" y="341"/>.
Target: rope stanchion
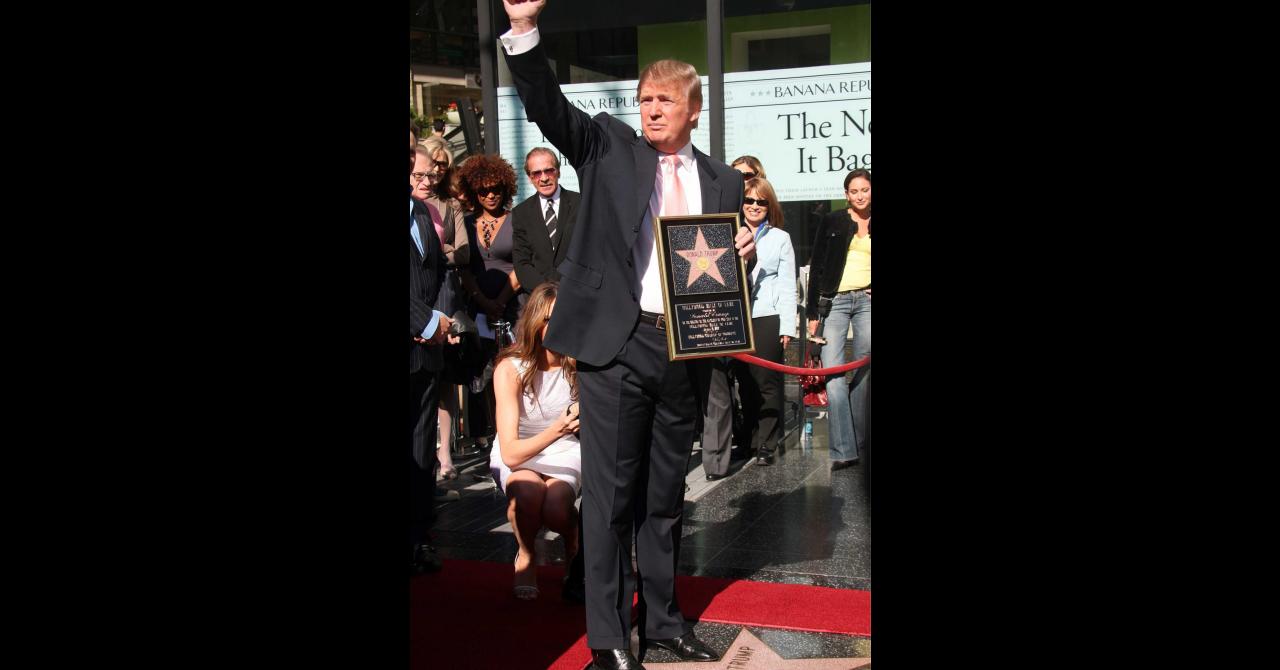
<point x="792" y="370"/>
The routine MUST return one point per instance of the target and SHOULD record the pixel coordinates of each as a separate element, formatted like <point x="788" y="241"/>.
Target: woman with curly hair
<point x="537" y="460"/>
<point x="488" y="184"/>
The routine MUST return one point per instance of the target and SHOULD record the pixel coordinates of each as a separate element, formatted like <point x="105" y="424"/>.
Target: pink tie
<point x="673" y="202"/>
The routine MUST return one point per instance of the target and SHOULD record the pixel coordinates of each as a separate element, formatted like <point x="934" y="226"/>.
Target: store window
<point x="798" y="97"/>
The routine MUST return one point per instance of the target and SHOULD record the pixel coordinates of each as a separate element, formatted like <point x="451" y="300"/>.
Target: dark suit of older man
<point x="638" y="409"/>
<point x="534" y="256"/>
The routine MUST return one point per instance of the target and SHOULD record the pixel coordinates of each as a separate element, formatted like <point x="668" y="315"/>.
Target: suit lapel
<point x="538" y="222"/>
<point x="426" y="229"/>
<point x="564" y="225"/>
<point x="708" y="183"/>
<point x="646" y="162"/>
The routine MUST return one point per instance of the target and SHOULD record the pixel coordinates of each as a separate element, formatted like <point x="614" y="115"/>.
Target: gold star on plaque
<point x="748" y="652"/>
<point x="702" y="260"/>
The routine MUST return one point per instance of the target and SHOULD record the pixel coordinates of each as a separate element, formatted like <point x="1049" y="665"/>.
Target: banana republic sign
<point x="808" y="126"/>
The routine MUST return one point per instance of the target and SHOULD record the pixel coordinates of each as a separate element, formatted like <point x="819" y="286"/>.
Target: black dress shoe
<point x="425" y="559"/>
<point x="712" y="478"/>
<point x="840" y="465"/>
<point x="766" y="459"/>
<point x="688" y="647"/>
<point x="613" y="659"/>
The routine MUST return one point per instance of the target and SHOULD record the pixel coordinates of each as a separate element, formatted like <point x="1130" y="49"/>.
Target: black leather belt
<point x="658" y="321"/>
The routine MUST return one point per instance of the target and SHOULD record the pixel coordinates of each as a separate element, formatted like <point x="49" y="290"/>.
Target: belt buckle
<point x="661" y="322"/>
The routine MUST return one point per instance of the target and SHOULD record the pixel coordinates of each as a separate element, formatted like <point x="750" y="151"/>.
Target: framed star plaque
<point x="704" y="288"/>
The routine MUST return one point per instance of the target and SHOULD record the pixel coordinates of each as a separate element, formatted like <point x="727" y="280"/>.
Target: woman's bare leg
<point x="448" y="409"/>
<point x="559" y="514"/>
<point x="525" y="494"/>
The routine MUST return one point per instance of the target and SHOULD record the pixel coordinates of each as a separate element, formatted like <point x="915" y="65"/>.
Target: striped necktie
<point x="551" y="223"/>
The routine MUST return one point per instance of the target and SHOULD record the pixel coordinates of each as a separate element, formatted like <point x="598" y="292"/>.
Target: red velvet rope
<point x="839" y="369"/>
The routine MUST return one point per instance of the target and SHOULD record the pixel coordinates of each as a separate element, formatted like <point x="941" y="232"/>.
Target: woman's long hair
<point x="528" y="345"/>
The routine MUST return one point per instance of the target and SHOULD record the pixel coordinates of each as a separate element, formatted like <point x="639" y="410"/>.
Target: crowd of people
<point x="549" y="313"/>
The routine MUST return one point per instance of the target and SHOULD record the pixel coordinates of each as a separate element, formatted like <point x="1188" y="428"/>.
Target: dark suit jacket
<point x="598" y="304"/>
<point x="426" y="275"/>
<point x="532" y="254"/>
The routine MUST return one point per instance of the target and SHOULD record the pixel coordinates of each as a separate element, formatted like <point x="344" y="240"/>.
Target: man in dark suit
<point x="638" y="409"/>
<point x="428" y="328"/>
<point x="543" y="222"/>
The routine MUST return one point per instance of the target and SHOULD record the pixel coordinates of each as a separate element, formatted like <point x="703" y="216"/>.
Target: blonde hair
<point x="436" y="145"/>
<point x="667" y="71"/>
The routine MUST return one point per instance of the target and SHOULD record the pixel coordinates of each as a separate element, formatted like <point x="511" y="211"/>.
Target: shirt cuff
<point x="515" y="45"/>
<point x="432" y="325"/>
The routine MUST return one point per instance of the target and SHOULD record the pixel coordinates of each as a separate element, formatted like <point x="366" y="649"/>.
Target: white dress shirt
<point x="555" y="204"/>
<point x="645" y="252"/>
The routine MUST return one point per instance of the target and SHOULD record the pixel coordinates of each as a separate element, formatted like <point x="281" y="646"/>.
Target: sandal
<point x="526" y="591"/>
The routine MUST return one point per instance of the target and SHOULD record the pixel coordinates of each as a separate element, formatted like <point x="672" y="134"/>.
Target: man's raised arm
<point x="568" y="128"/>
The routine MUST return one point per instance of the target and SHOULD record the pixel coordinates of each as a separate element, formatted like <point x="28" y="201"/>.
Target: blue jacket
<point x="773" y="280"/>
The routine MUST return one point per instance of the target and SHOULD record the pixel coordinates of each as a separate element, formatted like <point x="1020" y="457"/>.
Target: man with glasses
<point x="428" y="328"/>
<point x="543" y="222"/>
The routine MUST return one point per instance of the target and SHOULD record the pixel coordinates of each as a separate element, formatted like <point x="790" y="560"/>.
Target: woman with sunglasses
<point x="773" y="318"/>
<point x="749" y="166"/>
<point x="488" y="184"/>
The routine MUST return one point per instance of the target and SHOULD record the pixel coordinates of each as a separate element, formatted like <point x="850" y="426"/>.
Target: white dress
<point x="561" y="459"/>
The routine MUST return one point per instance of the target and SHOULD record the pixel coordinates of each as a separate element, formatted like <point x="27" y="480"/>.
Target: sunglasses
<point x="537" y="174"/>
<point x="486" y="190"/>
<point x="748" y="175"/>
<point x="753" y="201"/>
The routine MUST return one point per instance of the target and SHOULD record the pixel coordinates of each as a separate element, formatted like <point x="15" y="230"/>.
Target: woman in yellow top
<point x="840" y="290"/>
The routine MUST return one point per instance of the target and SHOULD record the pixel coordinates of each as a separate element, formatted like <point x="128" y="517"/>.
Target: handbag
<point x="814" y="387"/>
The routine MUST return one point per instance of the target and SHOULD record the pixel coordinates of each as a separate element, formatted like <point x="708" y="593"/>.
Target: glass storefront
<point x="798" y="97"/>
<point x="797" y="86"/>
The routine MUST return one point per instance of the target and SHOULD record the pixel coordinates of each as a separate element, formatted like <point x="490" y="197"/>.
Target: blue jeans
<point x="848" y="404"/>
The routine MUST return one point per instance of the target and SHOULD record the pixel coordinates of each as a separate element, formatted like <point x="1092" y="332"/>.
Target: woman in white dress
<point x="536" y="459"/>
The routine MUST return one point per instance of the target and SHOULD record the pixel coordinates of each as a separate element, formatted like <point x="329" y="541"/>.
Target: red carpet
<point x="466" y="616"/>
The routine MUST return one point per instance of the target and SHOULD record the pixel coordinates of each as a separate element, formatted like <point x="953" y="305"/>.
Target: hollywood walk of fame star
<point x="702" y="260"/>
<point x="748" y="652"/>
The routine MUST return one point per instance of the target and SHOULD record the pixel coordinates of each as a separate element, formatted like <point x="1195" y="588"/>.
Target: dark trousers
<point x="762" y="389"/>
<point x="637" y="433"/>
<point x="423" y="403"/>
<point x="716" y="398"/>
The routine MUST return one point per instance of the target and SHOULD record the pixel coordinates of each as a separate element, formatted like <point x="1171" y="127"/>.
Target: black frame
<point x="732" y="304"/>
